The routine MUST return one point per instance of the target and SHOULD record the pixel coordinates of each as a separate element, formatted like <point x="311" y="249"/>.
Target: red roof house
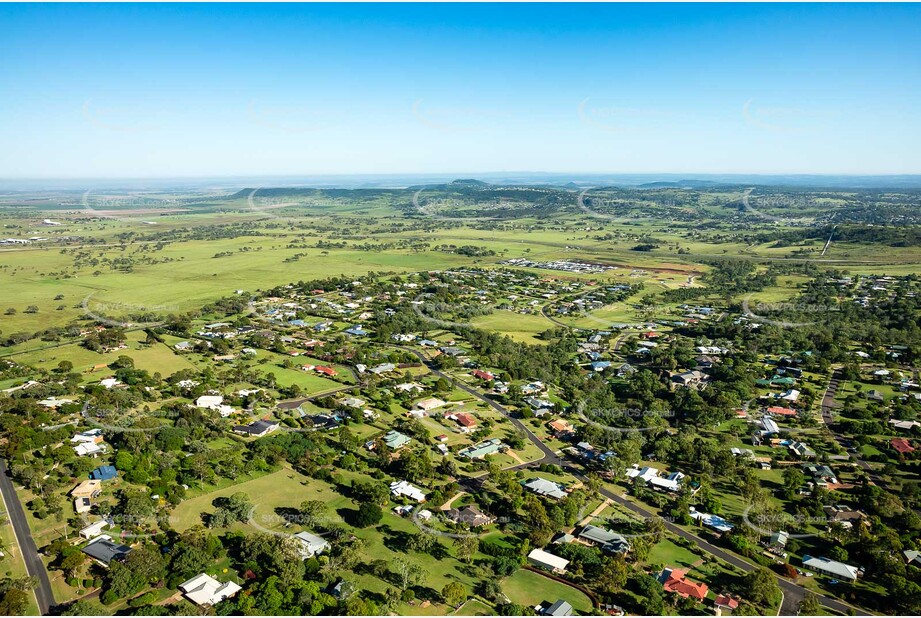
<point x="724" y="601"/>
<point x="902" y="445"/>
<point x="329" y="371"/>
<point x="465" y="420"/>
<point x="483" y="375"/>
<point x="779" y="411"/>
<point x="675" y="580"/>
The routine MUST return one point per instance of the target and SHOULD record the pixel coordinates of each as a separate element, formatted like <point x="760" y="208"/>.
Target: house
<point x="540" y="406"/>
<point x="82" y="505"/>
<point x="741" y="452"/>
<point x="87" y="489"/>
<point x="875" y="395"/>
<point x="711" y="521"/>
<point x="403" y="488"/>
<point x="466" y="421"/>
<point x="823" y="475"/>
<point x="327" y="371"/>
<point x="778" y="540"/>
<point x="256" y="429"/>
<point x="831" y="568"/>
<point x="543" y="487"/>
<point x="322" y="421"/>
<point x="650" y="476"/>
<point x="780" y="411"/>
<point x="900" y="424"/>
<point x="89" y="449"/>
<point x="429" y="404"/>
<point x="912" y="555"/>
<point x="675" y="580"/>
<point x="610" y="542"/>
<point x="689" y="378"/>
<point x="547" y="561"/>
<point x="768" y="426"/>
<point x="395" y="440"/>
<point x="353" y="402"/>
<point x="104" y="473"/>
<point x="483" y="375"/>
<point x="94" y="529"/>
<point x="842" y="514"/>
<point x="382" y="368"/>
<point x="310" y="544"/>
<point x="801" y="450"/>
<point x="559" y="608"/>
<point x="725" y="604"/>
<point x="104" y="551"/>
<point x="469" y="515"/>
<point x="902" y="446"/>
<point x="481" y="450"/>
<point x="561" y="427"/>
<point x="204" y="590"/>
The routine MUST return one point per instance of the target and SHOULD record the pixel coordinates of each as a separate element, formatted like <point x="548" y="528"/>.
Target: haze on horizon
<point x="178" y="91"/>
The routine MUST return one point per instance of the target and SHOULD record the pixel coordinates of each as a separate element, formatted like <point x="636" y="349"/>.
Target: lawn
<point x="530" y="589"/>
<point x="282" y="488"/>
<point x="520" y="327"/>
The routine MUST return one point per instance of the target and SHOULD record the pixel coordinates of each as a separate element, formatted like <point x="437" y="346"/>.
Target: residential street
<point x="793" y="593"/>
<point x="34" y="565"/>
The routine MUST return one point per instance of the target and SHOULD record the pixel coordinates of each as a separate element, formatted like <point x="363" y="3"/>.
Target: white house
<point x="311" y="544"/>
<point x="205" y="590"/>
<point x="547" y="561"/>
<point x="832" y="568"/>
<point x="429" y="404"/>
<point x="403" y="488"/>
<point x="94" y="529"/>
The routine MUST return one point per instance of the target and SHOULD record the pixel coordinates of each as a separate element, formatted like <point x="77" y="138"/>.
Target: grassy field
<point x="518" y="326"/>
<point x="530" y="589"/>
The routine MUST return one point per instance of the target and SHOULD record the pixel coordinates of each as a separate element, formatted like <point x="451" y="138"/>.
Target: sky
<point x="147" y="91"/>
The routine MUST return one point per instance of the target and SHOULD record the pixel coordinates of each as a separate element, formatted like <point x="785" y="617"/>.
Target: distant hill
<point x="681" y="184"/>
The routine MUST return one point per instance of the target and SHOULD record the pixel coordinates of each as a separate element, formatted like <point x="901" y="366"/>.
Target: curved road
<point x="792" y="593"/>
<point x="34" y="565"/>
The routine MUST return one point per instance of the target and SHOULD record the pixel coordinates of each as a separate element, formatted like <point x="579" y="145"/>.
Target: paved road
<point x="34" y="565"/>
<point x="792" y="593"/>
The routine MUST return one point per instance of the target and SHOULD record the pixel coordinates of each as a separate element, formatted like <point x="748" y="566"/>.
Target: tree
<point x="408" y="573"/>
<point x="613" y="574"/>
<point x="760" y="587"/>
<point x="311" y="512"/>
<point x="793" y="479"/>
<point x="454" y="593"/>
<point x="809" y="605"/>
<point x="368" y="515"/>
<point x="466" y="547"/>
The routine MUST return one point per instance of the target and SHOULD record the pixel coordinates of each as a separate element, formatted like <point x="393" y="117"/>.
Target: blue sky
<point x="195" y="90"/>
